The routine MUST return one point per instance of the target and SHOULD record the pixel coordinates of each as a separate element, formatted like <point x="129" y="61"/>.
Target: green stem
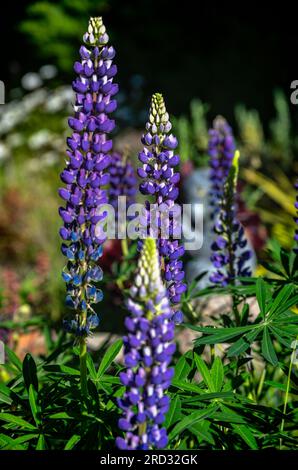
<point x="261" y="383"/>
<point x="212" y="353"/>
<point x="124" y="247"/>
<point x="191" y="311"/>
<point x="235" y="302"/>
<point x="83" y="367"/>
<point x="293" y="355"/>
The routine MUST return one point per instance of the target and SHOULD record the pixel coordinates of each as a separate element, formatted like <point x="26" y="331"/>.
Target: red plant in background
<point x="11" y="293"/>
<point x="13" y="239"/>
<point x="38" y="296"/>
<point x="11" y="299"/>
<point x="112" y="252"/>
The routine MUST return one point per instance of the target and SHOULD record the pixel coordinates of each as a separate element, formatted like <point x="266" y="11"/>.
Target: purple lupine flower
<point x="85" y="175"/>
<point x="148" y="353"/>
<point x="161" y="181"/>
<point x="296" y="219"/>
<point x="230" y="253"/>
<point x="221" y="149"/>
<point x="122" y="181"/>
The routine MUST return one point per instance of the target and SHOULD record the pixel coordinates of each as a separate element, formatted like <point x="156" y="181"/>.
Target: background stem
<point x="83" y="367"/>
<point x="293" y="355"/>
<point x="124" y="247"/>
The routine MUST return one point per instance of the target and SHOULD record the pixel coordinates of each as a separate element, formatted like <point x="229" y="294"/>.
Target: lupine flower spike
<point x="148" y="353"/>
<point x="160" y="181"/>
<point x="123" y="182"/>
<point x="230" y="252"/>
<point x="221" y="149"/>
<point x="85" y="176"/>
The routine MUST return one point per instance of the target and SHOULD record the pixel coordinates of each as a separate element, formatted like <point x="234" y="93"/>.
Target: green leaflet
<point x="190" y="420"/>
<point x="204" y="371"/>
<point x="109" y="357"/>
<point x="16" y="420"/>
<point x="268" y="348"/>
<point x="174" y="413"/>
<point x="246" y="434"/>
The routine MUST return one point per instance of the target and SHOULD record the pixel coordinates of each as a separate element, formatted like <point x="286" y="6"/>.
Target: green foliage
<point x="39" y="406"/>
<point x="236" y="389"/>
<point x="193" y="134"/>
<point x="58" y="26"/>
<point x="281" y="129"/>
<point x="250" y="129"/>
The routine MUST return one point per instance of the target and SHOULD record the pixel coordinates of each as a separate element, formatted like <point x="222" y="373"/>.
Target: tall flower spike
<point x="85" y="175"/>
<point x="221" y="149"/>
<point x="122" y="181"/>
<point x="148" y="353"/>
<point x="296" y="220"/>
<point x="230" y="252"/>
<point x="160" y="181"/>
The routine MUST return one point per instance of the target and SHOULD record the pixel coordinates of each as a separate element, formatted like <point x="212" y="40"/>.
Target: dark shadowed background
<point x="218" y="52"/>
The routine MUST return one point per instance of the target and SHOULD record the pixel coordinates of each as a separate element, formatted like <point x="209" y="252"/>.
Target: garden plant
<point x="235" y="385"/>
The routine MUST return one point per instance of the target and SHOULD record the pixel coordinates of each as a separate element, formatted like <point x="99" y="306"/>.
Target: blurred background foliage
<point x="216" y="60"/>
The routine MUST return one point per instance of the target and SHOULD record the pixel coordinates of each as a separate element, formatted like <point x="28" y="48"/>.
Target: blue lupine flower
<point x="221" y="149"/>
<point x="161" y="181"/>
<point x="148" y="354"/>
<point x="230" y="253"/>
<point x="86" y="174"/>
<point x="122" y="181"/>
